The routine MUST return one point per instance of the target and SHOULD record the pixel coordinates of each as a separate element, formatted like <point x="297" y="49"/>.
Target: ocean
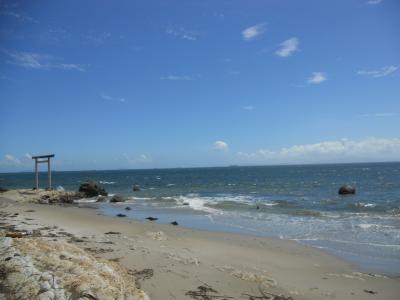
<point x="298" y="203"/>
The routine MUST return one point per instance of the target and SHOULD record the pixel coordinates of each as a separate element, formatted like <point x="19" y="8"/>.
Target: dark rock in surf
<point x="101" y="199"/>
<point x="151" y="218"/>
<point x="136" y="188"/>
<point x="2" y="190"/>
<point x="117" y="198"/>
<point x="92" y="189"/>
<point x="175" y="223"/>
<point x="347" y="190"/>
<point x="121" y="215"/>
<point x="128" y="208"/>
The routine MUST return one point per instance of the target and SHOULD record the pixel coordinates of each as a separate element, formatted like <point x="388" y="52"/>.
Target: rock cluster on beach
<point x="36" y="268"/>
<point x="91" y="189"/>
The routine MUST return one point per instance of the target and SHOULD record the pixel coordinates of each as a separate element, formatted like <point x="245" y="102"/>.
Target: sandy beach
<point x="171" y="262"/>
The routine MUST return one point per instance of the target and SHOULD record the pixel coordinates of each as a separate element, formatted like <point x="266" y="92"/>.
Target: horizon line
<point x="210" y="167"/>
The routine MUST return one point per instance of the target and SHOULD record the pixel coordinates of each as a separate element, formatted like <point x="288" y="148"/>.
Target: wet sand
<point x="172" y="262"/>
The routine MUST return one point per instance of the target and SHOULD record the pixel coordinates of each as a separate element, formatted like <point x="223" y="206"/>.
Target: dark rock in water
<point x="117" y="198"/>
<point x="175" y="223"/>
<point x="91" y="189"/>
<point x="136" y="188"/>
<point x="2" y="190"/>
<point x="101" y="199"/>
<point x="121" y="215"/>
<point x="128" y="208"/>
<point x="185" y="203"/>
<point x="347" y="190"/>
<point x="151" y="218"/>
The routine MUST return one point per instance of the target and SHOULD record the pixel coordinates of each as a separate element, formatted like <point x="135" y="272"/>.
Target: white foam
<point x="107" y="182"/>
<point x="85" y="200"/>
<point x="197" y="203"/>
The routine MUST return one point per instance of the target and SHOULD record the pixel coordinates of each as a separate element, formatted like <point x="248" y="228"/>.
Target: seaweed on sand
<point x="204" y="292"/>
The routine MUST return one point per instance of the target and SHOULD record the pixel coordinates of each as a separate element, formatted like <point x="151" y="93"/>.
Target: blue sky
<point x="145" y="84"/>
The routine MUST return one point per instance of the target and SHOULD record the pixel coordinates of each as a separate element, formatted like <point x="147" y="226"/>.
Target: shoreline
<point x="183" y="259"/>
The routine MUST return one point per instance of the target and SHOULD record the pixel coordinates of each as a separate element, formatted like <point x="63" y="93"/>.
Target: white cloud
<point x="385" y="71"/>
<point x="28" y="156"/>
<point x="370" y="149"/>
<point x="40" y="61"/>
<point x="108" y="97"/>
<point x="176" y="77"/>
<point x="249" y="107"/>
<point x="10" y="158"/>
<point x="317" y="78"/>
<point x="374" y="2"/>
<point x="182" y="33"/>
<point x="288" y="47"/>
<point x="252" y="32"/>
<point x="221" y="145"/>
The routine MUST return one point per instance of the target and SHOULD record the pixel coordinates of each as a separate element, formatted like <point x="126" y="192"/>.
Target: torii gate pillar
<point x="42" y="159"/>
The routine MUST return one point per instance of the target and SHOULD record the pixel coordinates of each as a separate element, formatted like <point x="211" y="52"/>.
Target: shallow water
<point x="288" y="202"/>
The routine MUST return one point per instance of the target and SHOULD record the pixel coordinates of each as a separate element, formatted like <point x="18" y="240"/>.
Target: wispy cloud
<point x="249" y="107"/>
<point x="97" y="39"/>
<point x="109" y="98"/>
<point x="385" y="71"/>
<point x="380" y="115"/>
<point x="221" y="145"/>
<point x="182" y="33"/>
<point x="8" y="12"/>
<point x="32" y="60"/>
<point x="340" y="150"/>
<point x="374" y="2"/>
<point x="139" y="159"/>
<point x="288" y="47"/>
<point x="176" y="77"/>
<point x="317" y="78"/>
<point x="253" y="32"/>
<point x="12" y="159"/>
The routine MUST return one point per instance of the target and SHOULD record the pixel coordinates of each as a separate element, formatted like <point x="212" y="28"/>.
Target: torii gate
<point x="42" y="159"/>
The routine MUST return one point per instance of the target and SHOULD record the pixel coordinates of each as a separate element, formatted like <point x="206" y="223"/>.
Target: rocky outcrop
<point x="136" y="188"/>
<point x="42" y="269"/>
<point x="117" y="198"/>
<point x="347" y="190"/>
<point x="92" y="189"/>
<point x="42" y="196"/>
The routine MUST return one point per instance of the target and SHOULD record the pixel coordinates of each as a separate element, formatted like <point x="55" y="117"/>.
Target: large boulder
<point x="91" y="189"/>
<point x="117" y="198"/>
<point x="347" y="190"/>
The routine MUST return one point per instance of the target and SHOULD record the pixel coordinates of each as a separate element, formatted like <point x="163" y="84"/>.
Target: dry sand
<point x="170" y="262"/>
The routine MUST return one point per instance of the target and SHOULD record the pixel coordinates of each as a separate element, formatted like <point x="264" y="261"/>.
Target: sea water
<point x="288" y="202"/>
